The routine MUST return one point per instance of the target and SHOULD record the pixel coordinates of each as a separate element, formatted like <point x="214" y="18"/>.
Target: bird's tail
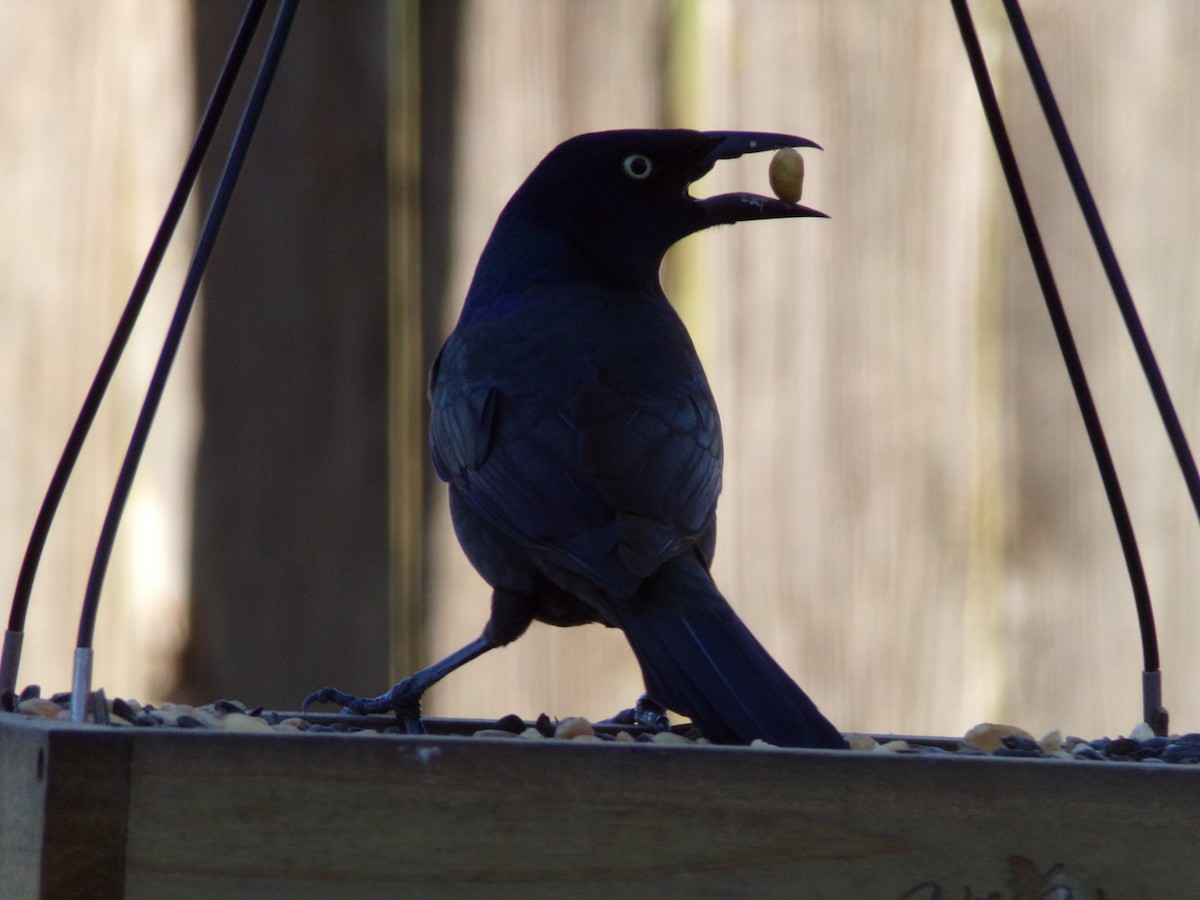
<point x="700" y="659"/>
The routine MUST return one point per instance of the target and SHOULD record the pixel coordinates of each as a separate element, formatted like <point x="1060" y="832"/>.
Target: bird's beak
<point x="725" y="209"/>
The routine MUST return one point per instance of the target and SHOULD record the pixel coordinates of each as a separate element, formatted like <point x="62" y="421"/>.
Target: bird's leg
<point x="646" y="712"/>
<point x="405" y="697"/>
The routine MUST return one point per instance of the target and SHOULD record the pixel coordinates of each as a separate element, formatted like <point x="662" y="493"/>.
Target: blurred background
<point x="912" y="521"/>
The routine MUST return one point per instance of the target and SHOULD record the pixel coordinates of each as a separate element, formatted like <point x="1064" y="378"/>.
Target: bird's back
<point x="580" y="424"/>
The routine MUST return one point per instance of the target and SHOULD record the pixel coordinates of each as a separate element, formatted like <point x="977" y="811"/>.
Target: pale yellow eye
<point x="786" y="174"/>
<point x="637" y="167"/>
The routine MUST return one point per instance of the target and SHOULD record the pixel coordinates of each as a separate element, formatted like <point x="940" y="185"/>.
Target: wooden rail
<point x="170" y="812"/>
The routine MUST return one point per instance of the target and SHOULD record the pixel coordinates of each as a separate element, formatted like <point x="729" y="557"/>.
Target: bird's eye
<point x="637" y="167"/>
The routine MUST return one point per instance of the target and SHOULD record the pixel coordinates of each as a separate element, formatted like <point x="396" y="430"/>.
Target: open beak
<point x="725" y="209"/>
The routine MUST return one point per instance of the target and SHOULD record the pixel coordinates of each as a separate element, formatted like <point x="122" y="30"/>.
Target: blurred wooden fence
<point x="95" y="120"/>
<point x="911" y="519"/>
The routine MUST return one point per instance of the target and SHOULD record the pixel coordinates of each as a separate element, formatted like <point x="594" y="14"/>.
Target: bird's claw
<point x="399" y="699"/>
<point x="348" y="702"/>
<point x="646" y="712"/>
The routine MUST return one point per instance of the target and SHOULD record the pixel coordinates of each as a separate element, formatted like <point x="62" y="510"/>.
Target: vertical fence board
<point x="290" y="581"/>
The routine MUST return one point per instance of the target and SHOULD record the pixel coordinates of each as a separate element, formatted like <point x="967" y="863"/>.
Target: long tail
<point x="700" y="659"/>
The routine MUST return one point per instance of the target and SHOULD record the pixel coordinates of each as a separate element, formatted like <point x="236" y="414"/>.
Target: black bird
<point x="574" y="424"/>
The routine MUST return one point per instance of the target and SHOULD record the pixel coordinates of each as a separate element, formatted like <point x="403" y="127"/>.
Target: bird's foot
<point x="646" y="712"/>
<point x="404" y="699"/>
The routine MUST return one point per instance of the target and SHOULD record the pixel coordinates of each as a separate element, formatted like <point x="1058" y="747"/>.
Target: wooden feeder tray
<point x="90" y="810"/>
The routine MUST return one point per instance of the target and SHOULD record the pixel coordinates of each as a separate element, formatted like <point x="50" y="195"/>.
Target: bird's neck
<point x="524" y="259"/>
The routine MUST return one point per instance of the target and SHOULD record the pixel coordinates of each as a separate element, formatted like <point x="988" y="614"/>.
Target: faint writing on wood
<point x="1025" y="883"/>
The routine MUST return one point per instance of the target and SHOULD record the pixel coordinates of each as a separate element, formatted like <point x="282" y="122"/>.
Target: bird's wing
<point x="603" y="482"/>
<point x="657" y="462"/>
<point x="514" y="460"/>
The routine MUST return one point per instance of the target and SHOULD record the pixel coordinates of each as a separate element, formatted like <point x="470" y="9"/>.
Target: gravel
<point x="1141" y="745"/>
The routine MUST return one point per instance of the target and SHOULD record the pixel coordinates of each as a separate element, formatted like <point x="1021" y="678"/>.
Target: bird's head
<point x="611" y="203"/>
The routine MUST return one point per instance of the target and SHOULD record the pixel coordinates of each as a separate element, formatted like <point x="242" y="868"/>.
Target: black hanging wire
<point x="1104" y="249"/>
<point x="1151" y="677"/>
<point x="1153" y="712"/>
<point x="81" y="682"/>
<point x="10" y="661"/>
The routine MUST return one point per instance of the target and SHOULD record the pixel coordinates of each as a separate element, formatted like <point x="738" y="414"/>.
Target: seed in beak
<point x="786" y="174"/>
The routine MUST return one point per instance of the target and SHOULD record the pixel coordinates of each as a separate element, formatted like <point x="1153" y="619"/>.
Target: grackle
<point x="574" y="424"/>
